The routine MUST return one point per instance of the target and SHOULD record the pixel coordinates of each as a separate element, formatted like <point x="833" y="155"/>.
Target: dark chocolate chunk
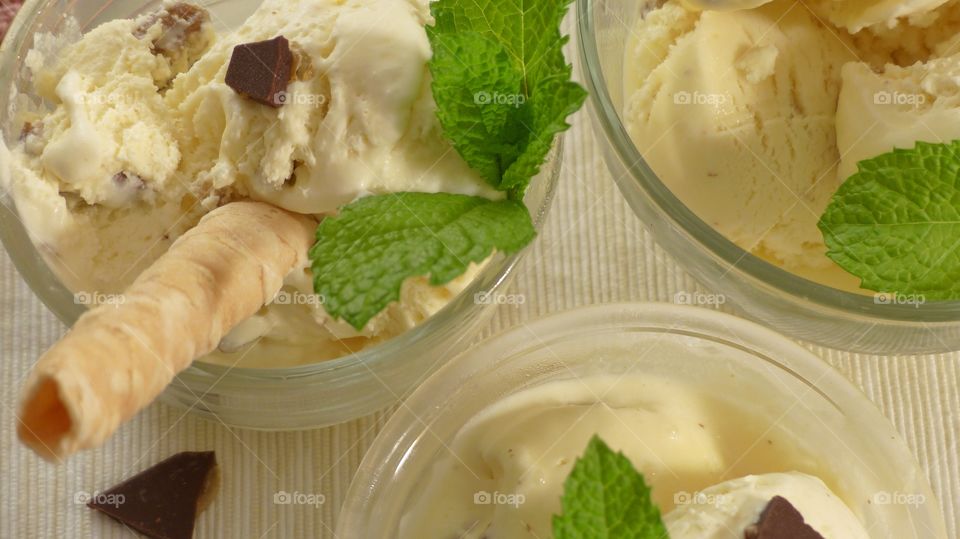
<point x="262" y="70"/>
<point x="780" y="520"/>
<point x="163" y="502"/>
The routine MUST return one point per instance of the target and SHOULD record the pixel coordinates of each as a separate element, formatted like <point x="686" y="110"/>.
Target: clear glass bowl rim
<point x="497" y="271"/>
<point x="672" y="209"/>
<point x="395" y="444"/>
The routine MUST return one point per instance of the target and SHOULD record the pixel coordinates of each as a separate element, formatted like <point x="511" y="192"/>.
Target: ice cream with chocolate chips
<point x="503" y="473"/>
<point x="143" y="132"/>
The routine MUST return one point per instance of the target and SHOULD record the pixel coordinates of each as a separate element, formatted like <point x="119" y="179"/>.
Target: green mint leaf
<point x="465" y="80"/>
<point x="553" y="100"/>
<point x="605" y="497"/>
<point x="363" y="255"/>
<point x="502" y="85"/>
<point x="895" y="224"/>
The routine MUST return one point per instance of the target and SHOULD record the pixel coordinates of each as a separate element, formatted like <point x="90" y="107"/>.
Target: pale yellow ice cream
<point x="139" y="136"/>
<point x="724" y="5"/>
<point x="362" y="120"/>
<point x="896" y="108"/>
<point x="722" y="106"/>
<point x="852" y="15"/>
<point x="855" y="15"/>
<point x="502" y="475"/>
<point x="723" y="511"/>
<point x="754" y="113"/>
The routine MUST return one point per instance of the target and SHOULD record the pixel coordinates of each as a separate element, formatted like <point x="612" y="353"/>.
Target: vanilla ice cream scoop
<point x="754" y="112"/>
<point x="878" y="112"/>
<point x="524" y="448"/>
<point x="503" y="473"/>
<point x="722" y="106"/>
<point x="357" y="119"/>
<point x="725" y="510"/>
<point x="853" y="15"/>
<point x="724" y="5"/>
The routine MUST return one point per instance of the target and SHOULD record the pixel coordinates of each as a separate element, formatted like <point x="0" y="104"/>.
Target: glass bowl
<point x="310" y="396"/>
<point x="764" y="292"/>
<point x="794" y="390"/>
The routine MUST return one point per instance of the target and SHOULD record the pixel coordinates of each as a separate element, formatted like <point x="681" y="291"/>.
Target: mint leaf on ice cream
<point x="606" y="497"/>
<point x="363" y="255"/>
<point x="501" y="84"/>
<point x="895" y="224"/>
<point x="464" y="80"/>
<point x="503" y="92"/>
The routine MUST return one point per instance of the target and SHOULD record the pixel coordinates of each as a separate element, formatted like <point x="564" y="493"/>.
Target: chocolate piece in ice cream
<point x="31" y="138"/>
<point x="123" y="179"/>
<point x="261" y="71"/>
<point x="163" y="502"/>
<point x="181" y="33"/>
<point x="781" y="520"/>
<point x="30" y="129"/>
<point x="180" y="22"/>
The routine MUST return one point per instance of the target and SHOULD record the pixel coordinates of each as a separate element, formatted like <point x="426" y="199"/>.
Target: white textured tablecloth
<point x="592" y="250"/>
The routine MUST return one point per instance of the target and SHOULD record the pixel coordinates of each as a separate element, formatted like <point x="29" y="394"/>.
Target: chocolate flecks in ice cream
<point x="30" y="129"/>
<point x="360" y="120"/>
<point x="261" y="71"/>
<point x="781" y="520"/>
<point x="131" y="186"/>
<point x="31" y="136"/>
<point x="180" y="25"/>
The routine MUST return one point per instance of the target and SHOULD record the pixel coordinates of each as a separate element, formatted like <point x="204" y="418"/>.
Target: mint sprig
<point x="606" y="497"/>
<point x="895" y="224"/>
<point x="502" y="85"/>
<point x="363" y="255"/>
<point x="503" y="91"/>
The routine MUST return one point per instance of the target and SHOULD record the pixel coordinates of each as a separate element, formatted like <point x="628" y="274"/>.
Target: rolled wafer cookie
<point x="117" y="359"/>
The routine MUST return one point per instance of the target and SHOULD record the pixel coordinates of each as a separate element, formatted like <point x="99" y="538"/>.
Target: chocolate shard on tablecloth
<point x="162" y="502"/>
<point x="781" y="520"/>
<point x="261" y="71"/>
